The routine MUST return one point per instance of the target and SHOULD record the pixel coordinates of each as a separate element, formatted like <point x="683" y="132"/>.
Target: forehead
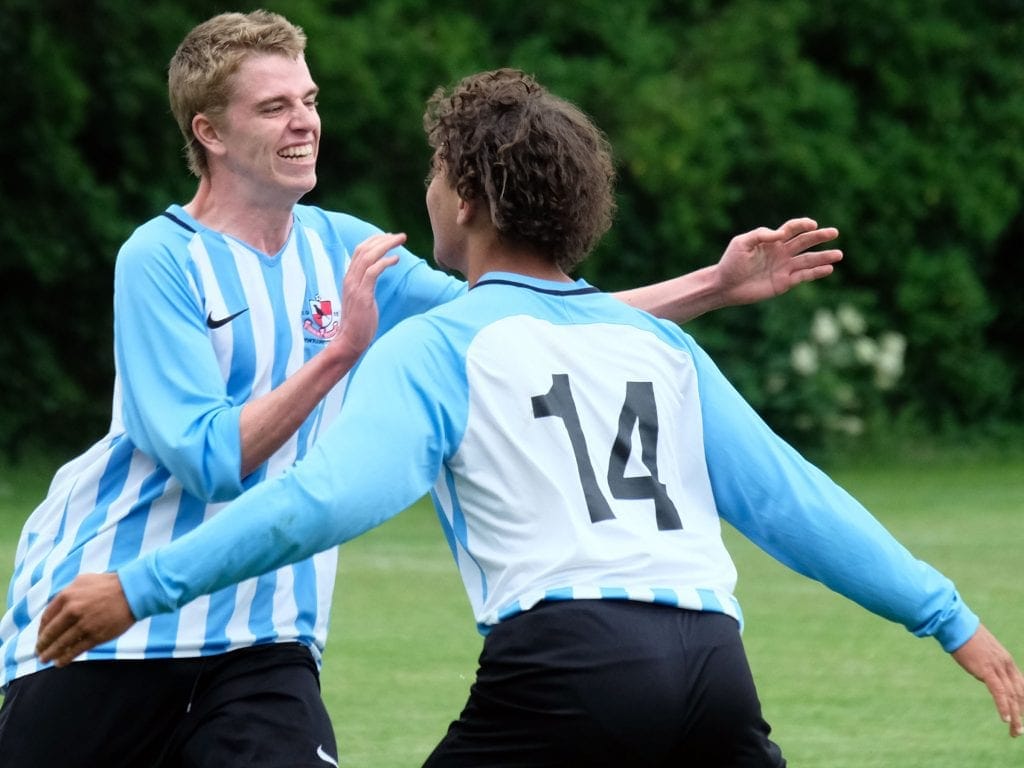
<point x="263" y="76"/>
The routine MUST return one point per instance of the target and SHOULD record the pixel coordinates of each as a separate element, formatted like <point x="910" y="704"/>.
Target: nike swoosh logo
<point x="325" y="757"/>
<point x="211" y="323"/>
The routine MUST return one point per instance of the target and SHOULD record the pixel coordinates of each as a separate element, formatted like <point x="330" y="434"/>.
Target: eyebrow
<point x="314" y="91"/>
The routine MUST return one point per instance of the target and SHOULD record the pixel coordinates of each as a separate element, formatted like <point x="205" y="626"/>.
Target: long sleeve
<point x="801" y="517"/>
<point x="175" y="406"/>
<point x="370" y="465"/>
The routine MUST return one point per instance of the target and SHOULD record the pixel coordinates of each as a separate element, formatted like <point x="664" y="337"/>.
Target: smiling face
<point x="264" y="145"/>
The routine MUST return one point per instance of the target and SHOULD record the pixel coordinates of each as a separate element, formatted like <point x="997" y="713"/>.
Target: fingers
<point x="369" y="253"/>
<point x="1013" y="710"/>
<point x="62" y="650"/>
<point x="90" y="611"/>
<point x="1008" y="696"/>
<point x="811" y="265"/>
<point x="61" y="638"/>
<point x="54" y="636"/>
<point x="796" y="235"/>
<point x="984" y="657"/>
<point x="796" y="227"/>
<point x="1000" y="689"/>
<point x="369" y="260"/>
<point x="804" y="234"/>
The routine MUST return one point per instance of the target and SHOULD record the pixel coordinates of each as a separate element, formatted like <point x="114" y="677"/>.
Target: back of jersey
<point x="581" y="473"/>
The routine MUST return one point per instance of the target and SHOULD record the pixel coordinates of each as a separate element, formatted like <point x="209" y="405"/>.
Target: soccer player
<point x="581" y="455"/>
<point x="236" y="319"/>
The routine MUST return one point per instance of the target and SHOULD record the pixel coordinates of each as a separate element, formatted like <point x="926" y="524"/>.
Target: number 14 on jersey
<point x="639" y="410"/>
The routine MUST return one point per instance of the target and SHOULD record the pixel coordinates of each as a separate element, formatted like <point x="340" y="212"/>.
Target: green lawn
<point x="842" y="688"/>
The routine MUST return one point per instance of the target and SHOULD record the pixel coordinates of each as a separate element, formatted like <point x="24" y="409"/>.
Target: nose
<point x="305" y="117"/>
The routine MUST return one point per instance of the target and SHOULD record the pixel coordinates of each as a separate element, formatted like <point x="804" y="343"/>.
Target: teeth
<point x="304" y="151"/>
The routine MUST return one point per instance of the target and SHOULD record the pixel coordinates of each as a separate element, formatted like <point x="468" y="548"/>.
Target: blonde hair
<point x="199" y="74"/>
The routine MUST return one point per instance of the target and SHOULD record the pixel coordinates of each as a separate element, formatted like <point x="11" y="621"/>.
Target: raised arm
<point x="756" y="265"/>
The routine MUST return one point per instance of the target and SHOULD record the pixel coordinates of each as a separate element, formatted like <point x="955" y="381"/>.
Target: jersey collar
<point x="576" y="287"/>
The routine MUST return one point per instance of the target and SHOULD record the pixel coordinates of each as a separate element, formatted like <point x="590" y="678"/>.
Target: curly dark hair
<point x="541" y="165"/>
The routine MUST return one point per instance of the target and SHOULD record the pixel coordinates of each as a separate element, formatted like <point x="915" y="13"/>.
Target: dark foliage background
<point x="901" y="123"/>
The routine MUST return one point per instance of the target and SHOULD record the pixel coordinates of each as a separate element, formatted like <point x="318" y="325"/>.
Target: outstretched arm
<point x="756" y="265"/>
<point x="986" y="659"/>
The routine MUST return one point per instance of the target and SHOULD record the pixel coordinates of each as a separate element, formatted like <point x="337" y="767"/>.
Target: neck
<point x="262" y="225"/>
<point x="516" y="262"/>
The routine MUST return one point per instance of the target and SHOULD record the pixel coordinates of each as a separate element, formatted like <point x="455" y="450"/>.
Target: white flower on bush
<point x="849" y="425"/>
<point x="840" y="371"/>
<point x="865" y="349"/>
<point x="804" y="358"/>
<point x="851" y="320"/>
<point x="824" y="329"/>
<point x="889" y="361"/>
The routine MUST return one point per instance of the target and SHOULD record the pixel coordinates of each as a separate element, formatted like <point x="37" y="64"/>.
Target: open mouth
<point x="297" y="153"/>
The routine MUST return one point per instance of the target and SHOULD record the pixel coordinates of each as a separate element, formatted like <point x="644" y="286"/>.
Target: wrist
<point x="705" y="292"/>
<point x="340" y="355"/>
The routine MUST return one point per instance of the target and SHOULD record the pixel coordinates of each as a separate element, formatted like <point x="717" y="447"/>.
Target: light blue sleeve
<point x="402" y="417"/>
<point x="174" y="404"/>
<point x="798" y="515"/>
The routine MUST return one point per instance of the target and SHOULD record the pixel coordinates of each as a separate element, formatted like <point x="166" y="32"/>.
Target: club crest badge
<point x="323" y="319"/>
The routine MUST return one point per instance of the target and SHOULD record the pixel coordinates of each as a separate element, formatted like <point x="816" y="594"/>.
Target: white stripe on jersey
<point x="223" y="343"/>
<point x="260" y="304"/>
<point x="327" y="280"/>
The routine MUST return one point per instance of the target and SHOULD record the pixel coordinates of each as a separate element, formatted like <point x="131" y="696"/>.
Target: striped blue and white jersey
<point x="577" y="449"/>
<point x="202" y="324"/>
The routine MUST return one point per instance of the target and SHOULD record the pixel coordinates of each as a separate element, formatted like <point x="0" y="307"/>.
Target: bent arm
<point x="268" y="421"/>
<point x="176" y="406"/>
<point x="348" y="483"/>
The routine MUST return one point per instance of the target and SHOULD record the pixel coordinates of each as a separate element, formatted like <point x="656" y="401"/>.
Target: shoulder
<point x="437" y="336"/>
<point x="161" y="238"/>
<point x="335" y="225"/>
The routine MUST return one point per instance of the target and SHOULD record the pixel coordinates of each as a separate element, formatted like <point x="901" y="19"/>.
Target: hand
<point x="985" y="658"/>
<point x="358" y="301"/>
<point x="766" y="262"/>
<point x="89" y="611"/>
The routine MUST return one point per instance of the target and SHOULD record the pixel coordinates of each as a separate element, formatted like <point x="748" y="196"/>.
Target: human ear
<point x="206" y="134"/>
<point x="466" y="211"/>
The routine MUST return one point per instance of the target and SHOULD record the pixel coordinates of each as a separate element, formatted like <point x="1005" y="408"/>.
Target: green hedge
<point x="900" y="123"/>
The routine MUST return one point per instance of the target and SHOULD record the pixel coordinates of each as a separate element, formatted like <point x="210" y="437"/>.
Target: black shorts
<point x="603" y="683"/>
<point x="252" y="707"/>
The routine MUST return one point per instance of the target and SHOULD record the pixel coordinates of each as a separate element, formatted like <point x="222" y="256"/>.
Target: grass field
<point x="841" y="688"/>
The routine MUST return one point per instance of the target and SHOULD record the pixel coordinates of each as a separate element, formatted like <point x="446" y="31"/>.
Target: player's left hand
<point x="765" y="262"/>
<point x="89" y="611"/>
<point x="985" y="658"/>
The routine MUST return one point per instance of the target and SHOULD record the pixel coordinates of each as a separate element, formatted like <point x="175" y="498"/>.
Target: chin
<point x="303" y="186"/>
<point x="447" y="266"/>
